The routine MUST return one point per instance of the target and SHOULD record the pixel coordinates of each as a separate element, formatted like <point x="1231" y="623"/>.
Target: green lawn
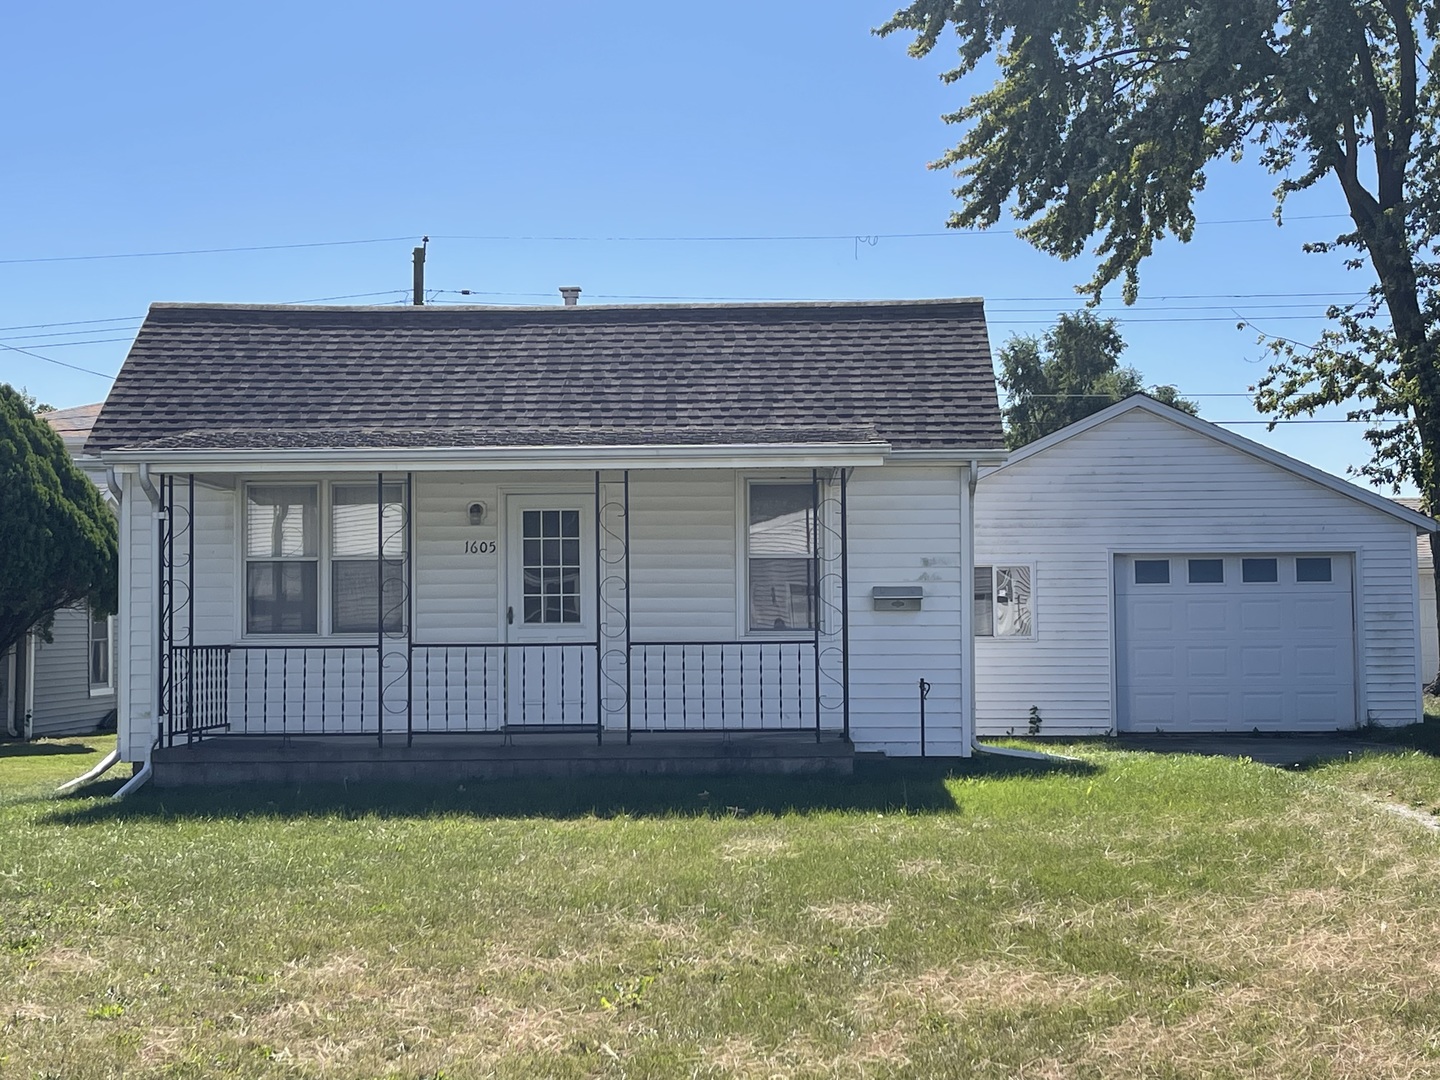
<point x="1137" y="915"/>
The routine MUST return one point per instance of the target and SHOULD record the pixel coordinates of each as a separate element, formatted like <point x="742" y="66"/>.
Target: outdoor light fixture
<point x="477" y="513"/>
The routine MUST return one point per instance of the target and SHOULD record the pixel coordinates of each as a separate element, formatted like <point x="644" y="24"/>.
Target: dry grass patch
<point x="856" y="915"/>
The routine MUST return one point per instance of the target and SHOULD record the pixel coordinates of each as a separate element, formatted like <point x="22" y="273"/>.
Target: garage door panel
<point x="1260" y="615"/>
<point x="1153" y="615"/>
<point x="1156" y="662"/>
<point x="1235" y="655"/>
<point x="1207" y="662"/>
<point x="1260" y="710"/>
<point x="1262" y="661"/>
<point x="1206" y="616"/>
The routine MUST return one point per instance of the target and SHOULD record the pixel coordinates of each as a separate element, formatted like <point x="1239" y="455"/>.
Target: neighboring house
<point x="1143" y="570"/>
<point x="1429" y="636"/>
<point x="607" y="523"/>
<point x="65" y="686"/>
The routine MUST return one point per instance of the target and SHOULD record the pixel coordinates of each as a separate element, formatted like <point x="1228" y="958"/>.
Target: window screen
<point x="780" y="542"/>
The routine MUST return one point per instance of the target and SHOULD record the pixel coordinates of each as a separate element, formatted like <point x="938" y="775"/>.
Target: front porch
<point x="455" y="758"/>
<point x="502" y="609"/>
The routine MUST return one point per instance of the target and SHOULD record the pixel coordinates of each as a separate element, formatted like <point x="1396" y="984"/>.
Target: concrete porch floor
<point x="445" y="758"/>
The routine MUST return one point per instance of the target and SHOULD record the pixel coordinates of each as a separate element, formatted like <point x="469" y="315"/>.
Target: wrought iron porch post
<point x="599" y="626"/>
<point x="407" y="609"/>
<point x="629" y="685"/>
<point x="190" y="605"/>
<point x="815" y="605"/>
<point x="844" y="606"/>
<point x="379" y="610"/>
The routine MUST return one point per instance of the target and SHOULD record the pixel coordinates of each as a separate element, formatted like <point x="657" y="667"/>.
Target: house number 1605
<point x="479" y="547"/>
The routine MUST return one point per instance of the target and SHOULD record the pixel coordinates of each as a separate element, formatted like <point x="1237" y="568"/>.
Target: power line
<point x="205" y="251"/>
<point x="72" y="322"/>
<point x="61" y="363"/>
<point x="95" y="341"/>
<point x="806" y="237"/>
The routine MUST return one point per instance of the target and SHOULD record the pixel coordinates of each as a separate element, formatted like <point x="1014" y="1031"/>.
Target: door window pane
<point x="1207" y="571"/>
<point x="550" y="574"/>
<point x="1312" y="569"/>
<point x="1152" y="571"/>
<point x="1260" y="570"/>
<point x="281" y="598"/>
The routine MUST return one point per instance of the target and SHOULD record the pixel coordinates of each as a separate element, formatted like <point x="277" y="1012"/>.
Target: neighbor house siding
<point x="1429" y="638"/>
<point x="64" y="704"/>
<point x="1142" y="484"/>
<point x="904" y="529"/>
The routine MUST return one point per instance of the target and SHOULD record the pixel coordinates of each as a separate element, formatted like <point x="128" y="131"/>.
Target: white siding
<point x="63" y="702"/>
<point x="1429" y="637"/>
<point x="136" y="666"/>
<point x="904" y="528"/>
<point x="686" y="533"/>
<point x="1140" y="483"/>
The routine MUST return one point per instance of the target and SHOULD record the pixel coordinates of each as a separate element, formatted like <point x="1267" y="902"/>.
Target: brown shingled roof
<point x="915" y="374"/>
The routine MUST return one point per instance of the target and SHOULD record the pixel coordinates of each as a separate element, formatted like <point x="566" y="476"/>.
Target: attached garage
<point x="1181" y="578"/>
<point x="1210" y="642"/>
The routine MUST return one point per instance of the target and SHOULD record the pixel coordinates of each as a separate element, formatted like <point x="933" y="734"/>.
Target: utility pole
<point x="419" y="298"/>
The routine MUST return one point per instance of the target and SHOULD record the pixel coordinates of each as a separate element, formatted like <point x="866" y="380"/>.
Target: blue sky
<point x="177" y="127"/>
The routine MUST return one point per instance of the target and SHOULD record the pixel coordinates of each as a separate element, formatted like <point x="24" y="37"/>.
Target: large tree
<point x="1108" y="114"/>
<point x="1070" y="373"/>
<point x="58" y="541"/>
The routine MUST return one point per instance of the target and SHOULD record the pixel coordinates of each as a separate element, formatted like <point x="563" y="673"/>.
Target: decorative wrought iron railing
<point x="675" y="687"/>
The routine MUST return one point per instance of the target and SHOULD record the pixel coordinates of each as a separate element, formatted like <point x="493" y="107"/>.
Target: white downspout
<point x="108" y="762"/>
<point x="30" y="686"/>
<point x="134" y="784"/>
<point x="9" y="702"/>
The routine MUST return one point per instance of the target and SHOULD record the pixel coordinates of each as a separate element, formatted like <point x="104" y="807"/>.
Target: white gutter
<point x="134" y="784"/>
<point x="422" y="459"/>
<point x="106" y="764"/>
<point x="952" y="457"/>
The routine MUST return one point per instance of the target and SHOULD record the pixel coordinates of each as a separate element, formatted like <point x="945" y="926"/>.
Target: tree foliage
<point x="59" y="540"/>
<point x="1073" y="372"/>
<point x="1107" y="115"/>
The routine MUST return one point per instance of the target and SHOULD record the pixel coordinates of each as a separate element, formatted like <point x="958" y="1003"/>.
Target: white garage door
<point x="1234" y="642"/>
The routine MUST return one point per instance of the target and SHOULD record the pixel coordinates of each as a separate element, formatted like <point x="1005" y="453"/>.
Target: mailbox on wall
<point x="897" y="597"/>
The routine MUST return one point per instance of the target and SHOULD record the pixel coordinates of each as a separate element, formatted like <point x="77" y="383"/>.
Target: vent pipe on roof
<point x="571" y="293"/>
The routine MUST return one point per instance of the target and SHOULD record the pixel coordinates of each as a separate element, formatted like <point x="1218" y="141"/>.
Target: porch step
<point x="442" y="759"/>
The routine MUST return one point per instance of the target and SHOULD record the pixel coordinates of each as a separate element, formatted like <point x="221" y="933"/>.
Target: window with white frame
<point x="100" y="652"/>
<point x="283" y="545"/>
<point x="1004" y="602"/>
<point x="779" y="552"/>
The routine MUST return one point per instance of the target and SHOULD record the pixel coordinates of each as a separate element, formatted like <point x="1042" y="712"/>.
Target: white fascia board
<point x="990" y="457"/>
<point x="1235" y="442"/>
<point x="785" y="456"/>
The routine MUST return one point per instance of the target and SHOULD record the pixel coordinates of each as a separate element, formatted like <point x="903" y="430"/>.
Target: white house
<point x="1429" y="632"/>
<point x="65" y="686"/>
<point x="607" y="524"/>
<point x="1142" y="570"/>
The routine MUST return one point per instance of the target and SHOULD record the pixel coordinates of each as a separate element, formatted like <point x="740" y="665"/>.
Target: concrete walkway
<point x="1286" y="751"/>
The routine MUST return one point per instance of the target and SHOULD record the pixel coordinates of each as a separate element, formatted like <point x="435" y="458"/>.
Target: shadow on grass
<point x="1424" y="736"/>
<point x="42" y="749"/>
<point x="911" y="786"/>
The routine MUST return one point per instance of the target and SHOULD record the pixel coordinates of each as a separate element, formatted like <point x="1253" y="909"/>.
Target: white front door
<point x="1234" y="642"/>
<point x="549" y="624"/>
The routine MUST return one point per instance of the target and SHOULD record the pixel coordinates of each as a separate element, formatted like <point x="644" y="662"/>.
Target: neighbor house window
<point x="1004" y="602"/>
<point x="780" y="546"/>
<point x="100" y="652"/>
<point x="358" y="599"/>
<point x="282" y="559"/>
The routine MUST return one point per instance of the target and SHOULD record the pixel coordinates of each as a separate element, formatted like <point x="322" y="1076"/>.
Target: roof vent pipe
<point x="571" y="293"/>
